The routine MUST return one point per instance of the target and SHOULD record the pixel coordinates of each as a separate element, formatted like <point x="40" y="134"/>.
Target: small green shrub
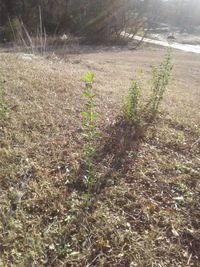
<point x="135" y="109"/>
<point x="160" y="81"/>
<point x="89" y="116"/>
<point x="132" y="104"/>
<point x="3" y="106"/>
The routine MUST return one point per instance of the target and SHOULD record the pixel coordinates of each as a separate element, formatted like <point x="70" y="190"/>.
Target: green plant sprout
<point x="3" y="106"/>
<point x="89" y="116"/>
<point x="160" y="81"/>
<point x="135" y="110"/>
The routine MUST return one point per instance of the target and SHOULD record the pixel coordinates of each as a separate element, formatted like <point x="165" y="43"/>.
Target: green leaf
<point x="95" y="115"/>
<point x="89" y="94"/>
<point x="85" y="114"/>
<point x="89" y="76"/>
<point x="91" y="127"/>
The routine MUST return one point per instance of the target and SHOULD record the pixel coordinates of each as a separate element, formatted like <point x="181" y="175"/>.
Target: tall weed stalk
<point x="132" y="104"/>
<point x="160" y="81"/>
<point x="135" y="109"/>
<point x="3" y="105"/>
<point x="89" y="116"/>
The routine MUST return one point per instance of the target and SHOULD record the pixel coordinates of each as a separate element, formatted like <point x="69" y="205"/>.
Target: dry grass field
<point x="146" y="212"/>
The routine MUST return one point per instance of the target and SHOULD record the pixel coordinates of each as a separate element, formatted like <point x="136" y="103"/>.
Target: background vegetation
<point x="96" y="20"/>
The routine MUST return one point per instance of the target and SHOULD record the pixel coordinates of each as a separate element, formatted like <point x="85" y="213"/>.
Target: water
<point x="183" y="47"/>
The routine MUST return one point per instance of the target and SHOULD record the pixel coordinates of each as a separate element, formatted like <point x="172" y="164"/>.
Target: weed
<point x="160" y="80"/>
<point x="134" y="108"/>
<point x="184" y="190"/>
<point x="3" y="106"/>
<point x="180" y="137"/>
<point x="132" y="104"/>
<point x="181" y="168"/>
<point x="198" y="138"/>
<point x="90" y="130"/>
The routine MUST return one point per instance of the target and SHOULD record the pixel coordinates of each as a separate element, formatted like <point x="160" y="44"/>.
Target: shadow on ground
<point x="118" y="142"/>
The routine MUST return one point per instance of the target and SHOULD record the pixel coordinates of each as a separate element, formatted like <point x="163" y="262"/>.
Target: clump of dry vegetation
<point x="146" y="210"/>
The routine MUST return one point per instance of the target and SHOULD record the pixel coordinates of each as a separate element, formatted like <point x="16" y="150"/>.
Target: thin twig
<point x="28" y="36"/>
<point x="13" y="32"/>
<point x="41" y="30"/>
